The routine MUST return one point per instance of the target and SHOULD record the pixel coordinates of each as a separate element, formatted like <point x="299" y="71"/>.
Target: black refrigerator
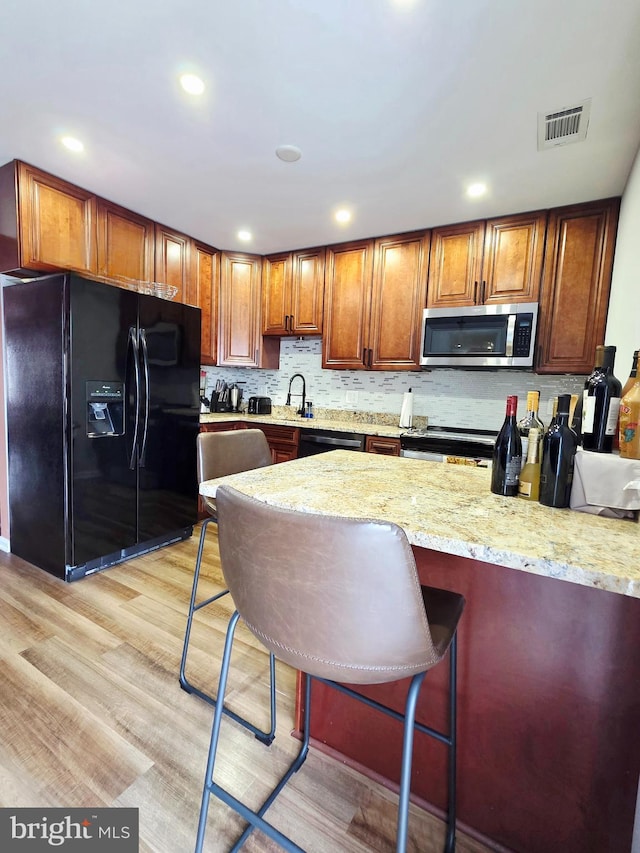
<point x="102" y="389"/>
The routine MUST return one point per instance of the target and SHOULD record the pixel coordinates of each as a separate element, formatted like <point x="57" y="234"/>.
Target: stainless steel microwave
<point x="486" y="336"/>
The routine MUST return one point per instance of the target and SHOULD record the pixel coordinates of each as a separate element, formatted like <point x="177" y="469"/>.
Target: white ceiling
<point x="396" y="105"/>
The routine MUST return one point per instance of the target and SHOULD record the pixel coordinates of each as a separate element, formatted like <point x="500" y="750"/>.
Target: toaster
<point x="259" y="406"/>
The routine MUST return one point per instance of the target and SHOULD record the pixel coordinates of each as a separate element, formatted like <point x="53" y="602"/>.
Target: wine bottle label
<point x="525" y="489"/>
<point x="512" y="471"/>
<point x="612" y="416"/>
<point x="588" y="412"/>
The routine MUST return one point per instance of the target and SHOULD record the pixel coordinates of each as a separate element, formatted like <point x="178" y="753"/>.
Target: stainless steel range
<point x="449" y="444"/>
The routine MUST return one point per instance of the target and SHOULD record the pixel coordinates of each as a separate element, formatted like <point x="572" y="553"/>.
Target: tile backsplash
<point x="466" y="398"/>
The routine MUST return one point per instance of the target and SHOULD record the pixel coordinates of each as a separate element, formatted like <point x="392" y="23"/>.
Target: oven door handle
<point x="426" y="455"/>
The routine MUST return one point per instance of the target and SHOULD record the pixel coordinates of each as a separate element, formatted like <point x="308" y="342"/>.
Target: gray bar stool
<point x="340" y="600"/>
<point x="218" y="455"/>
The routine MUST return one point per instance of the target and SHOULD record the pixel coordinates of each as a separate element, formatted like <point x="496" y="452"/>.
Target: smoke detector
<point x="564" y="126"/>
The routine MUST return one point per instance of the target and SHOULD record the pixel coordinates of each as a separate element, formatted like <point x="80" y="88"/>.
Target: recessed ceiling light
<point x="192" y="84"/>
<point x="245" y="235"/>
<point x="288" y="153"/>
<point x="343" y="216"/>
<point x="476" y="190"/>
<point x="72" y="143"/>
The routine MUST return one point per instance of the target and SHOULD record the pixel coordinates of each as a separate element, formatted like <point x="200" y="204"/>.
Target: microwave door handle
<point x="511" y="329"/>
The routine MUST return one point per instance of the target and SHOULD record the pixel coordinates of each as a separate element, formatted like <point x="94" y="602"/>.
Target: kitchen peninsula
<point x="549" y="671"/>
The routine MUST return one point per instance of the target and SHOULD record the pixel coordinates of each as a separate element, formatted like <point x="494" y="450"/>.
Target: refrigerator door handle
<point x="133" y="342"/>
<point x="147" y="389"/>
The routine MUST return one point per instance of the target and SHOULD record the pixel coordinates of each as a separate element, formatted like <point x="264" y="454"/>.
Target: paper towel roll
<point x="406" y="412"/>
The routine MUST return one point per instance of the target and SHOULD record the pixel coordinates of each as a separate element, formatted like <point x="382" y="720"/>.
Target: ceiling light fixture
<point x="192" y="84"/>
<point x="72" y="143"/>
<point x="343" y="216"/>
<point x="476" y="190"/>
<point x="288" y="153"/>
<point x="245" y="235"/>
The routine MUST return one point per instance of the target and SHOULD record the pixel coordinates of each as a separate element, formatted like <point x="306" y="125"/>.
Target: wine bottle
<point x="530" y="420"/>
<point x="628" y="385"/>
<point x="558" y="455"/>
<point x="629" y="428"/>
<point x="507" y="454"/>
<point x="601" y="403"/>
<point x="529" y="487"/>
<point x="633" y="375"/>
<point x="575" y="415"/>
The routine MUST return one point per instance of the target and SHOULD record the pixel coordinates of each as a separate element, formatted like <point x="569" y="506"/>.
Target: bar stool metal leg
<point x="255" y="819"/>
<point x="450" y="840"/>
<point x="266" y="737"/>
<point x="407" y="757"/>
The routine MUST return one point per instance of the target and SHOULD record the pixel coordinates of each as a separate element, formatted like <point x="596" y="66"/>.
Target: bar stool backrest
<point x="230" y="452"/>
<point x="336" y="597"/>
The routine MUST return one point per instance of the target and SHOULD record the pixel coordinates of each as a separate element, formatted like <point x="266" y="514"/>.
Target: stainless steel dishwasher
<point x="314" y="441"/>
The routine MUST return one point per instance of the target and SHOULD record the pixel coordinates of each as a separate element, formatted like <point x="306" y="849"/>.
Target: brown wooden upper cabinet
<point x="125" y="244"/>
<point x="203" y="292"/>
<point x="374" y="295"/>
<point x="47" y="224"/>
<point x="292" y="293"/>
<point x="495" y="260"/>
<point x="173" y="260"/>
<point x="240" y="341"/>
<point x="576" y="285"/>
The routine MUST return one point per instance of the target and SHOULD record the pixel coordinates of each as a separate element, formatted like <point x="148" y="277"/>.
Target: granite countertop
<point x="324" y="419"/>
<point x="450" y="508"/>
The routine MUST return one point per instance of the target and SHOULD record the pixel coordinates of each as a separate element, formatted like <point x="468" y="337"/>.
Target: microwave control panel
<point x="522" y="335"/>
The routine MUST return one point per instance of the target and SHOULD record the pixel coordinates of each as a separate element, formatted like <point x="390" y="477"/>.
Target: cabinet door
<point x="240" y="341"/>
<point x="283" y="442"/>
<point x="382" y="446"/>
<point x="512" y="265"/>
<point x="57" y="223"/>
<point x="276" y="295"/>
<point x="455" y="265"/>
<point x="398" y="297"/>
<point x="125" y="244"/>
<point x="307" y="292"/>
<point x="205" y="277"/>
<point x="349" y="269"/>
<point x="576" y="283"/>
<point x="173" y="253"/>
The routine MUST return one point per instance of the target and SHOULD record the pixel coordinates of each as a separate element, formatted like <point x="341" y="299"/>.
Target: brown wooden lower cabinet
<point x="283" y="441"/>
<point x="382" y="445"/>
<point x="548" y="697"/>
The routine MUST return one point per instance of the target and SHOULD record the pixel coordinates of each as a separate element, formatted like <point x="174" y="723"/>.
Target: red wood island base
<point x="549" y="707"/>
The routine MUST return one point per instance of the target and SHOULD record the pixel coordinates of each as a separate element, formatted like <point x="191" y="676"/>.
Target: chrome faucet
<point x="304" y="393"/>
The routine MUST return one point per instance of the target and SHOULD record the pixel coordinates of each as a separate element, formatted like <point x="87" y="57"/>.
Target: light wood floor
<point x="91" y="714"/>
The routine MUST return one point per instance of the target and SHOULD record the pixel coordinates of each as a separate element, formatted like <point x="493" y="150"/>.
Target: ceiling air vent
<point x="563" y="126"/>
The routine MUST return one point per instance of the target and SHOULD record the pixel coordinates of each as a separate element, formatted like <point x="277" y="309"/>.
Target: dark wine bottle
<point x="558" y="455"/>
<point x="507" y="454"/>
<point x="601" y="403"/>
